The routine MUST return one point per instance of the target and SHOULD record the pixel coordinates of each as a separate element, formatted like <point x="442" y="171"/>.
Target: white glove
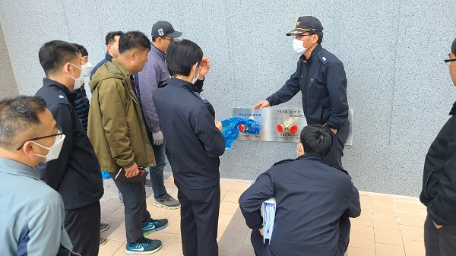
<point x="158" y="138"/>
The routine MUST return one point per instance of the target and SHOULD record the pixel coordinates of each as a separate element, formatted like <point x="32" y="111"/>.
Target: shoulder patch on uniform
<point x="61" y="97"/>
<point x="283" y="161"/>
<point x="322" y="58"/>
<point x="199" y="96"/>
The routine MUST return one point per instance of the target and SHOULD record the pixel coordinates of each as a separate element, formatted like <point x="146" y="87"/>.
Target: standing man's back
<point x="311" y="198"/>
<point x="76" y="173"/>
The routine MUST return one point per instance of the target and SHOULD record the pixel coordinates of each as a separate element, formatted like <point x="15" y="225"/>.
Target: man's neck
<point x="11" y="156"/>
<point x="308" y="53"/>
<point x="124" y="60"/>
<point x="157" y="46"/>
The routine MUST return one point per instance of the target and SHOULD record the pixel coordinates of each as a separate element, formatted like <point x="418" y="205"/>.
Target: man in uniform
<point x="311" y="199"/>
<point x="154" y="75"/>
<point x="76" y="173"/>
<point x="195" y="143"/>
<point x="320" y="76"/>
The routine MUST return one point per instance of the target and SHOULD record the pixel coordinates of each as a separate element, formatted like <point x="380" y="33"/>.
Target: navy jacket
<point x="106" y="59"/>
<point x="323" y="84"/>
<point x="311" y="197"/>
<point x="76" y="173"/>
<point x="81" y="105"/>
<point x="193" y="141"/>
<point x="439" y="175"/>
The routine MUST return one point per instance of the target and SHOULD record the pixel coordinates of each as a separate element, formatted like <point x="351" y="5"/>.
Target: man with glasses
<point x="439" y="183"/>
<point x="32" y="223"/>
<point x="75" y="174"/>
<point x="154" y="75"/>
<point x="320" y="76"/>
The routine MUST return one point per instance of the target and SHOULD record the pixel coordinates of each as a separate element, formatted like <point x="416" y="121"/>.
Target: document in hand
<point x="269" y="210"/>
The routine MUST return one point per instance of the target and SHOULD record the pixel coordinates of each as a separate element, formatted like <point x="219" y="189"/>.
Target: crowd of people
<point x="146" y="107"/>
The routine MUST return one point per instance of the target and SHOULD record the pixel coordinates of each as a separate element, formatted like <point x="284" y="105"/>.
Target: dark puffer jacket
<point x="81" y="105"/>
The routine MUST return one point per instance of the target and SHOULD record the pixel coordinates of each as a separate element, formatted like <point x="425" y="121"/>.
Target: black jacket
<point x="193" y="141"/>
<point x="81" y="105"/>
<point x="311" y="197"/>
<point x="76" y="173"/>
<point x="323" y="84"/>
<point x="439" y="175"/>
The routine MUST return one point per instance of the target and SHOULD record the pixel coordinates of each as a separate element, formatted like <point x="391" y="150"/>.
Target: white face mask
<point x="298" y="46"/>
<point x="197" y="76"/>
<point x="54" y="150"/>
<point x="86" y="69"/>
<point x="78" y="83"/>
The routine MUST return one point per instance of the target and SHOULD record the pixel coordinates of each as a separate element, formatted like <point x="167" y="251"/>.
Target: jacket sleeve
<point x="288" y="91"/>
<point x="354" y="205"/>
<point x="336" y="81"/>
<point x="52" y="172"/>
<point x="442" y="209"/>
<point x="114" y="121"/>
<point x="148" y="82"/>
<point x="203" y="124"/>
<point x="42" y="236"/>
<point x="251" y="200"/>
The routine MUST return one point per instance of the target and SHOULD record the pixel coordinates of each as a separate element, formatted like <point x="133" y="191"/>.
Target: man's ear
<point x="29" y="149"/>
<point x="133" y="55"/>
<point x="300" y="148"/>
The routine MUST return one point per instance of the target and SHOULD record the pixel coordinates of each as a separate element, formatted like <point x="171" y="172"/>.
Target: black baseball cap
<point x="164" y="28"/>
<point x="306" y="24"/>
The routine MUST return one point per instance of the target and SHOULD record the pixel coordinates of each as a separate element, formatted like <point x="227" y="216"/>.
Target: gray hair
<point x="19" y="118"/>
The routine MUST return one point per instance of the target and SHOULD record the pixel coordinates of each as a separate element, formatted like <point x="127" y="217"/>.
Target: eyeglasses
<point x="58" y="135"/>
<point x="168" y="38"/>
<point x="301" y="36"/>
<point x="448" y="61"/>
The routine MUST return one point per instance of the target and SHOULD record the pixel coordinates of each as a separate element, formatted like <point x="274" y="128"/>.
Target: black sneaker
<point x="104" y="227"/>
<point x="102" y="240"/>
<point x="167" y="201"/>
<point x="154" y="225"/>
<point x="143" y="246"/>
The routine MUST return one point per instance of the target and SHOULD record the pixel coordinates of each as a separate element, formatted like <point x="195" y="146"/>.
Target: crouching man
<point x="313" y="202"/>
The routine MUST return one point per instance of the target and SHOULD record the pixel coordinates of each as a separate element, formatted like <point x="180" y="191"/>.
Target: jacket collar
<point x="154" y="50"/>
<point x="310" y="158"/>
<point x="120" y="66"/>
<point x="16" y="168"/>
<point x="181" y="83"/>
<point x="108" y="57"/>
<point x="59" y="86"/>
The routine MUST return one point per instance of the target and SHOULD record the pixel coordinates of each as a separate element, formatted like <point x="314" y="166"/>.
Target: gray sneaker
<point x="167" y="201"/>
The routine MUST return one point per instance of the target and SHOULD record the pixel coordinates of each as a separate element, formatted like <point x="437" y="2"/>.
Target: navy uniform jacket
<point x="439" y="175"/>
<point x="311" y="197"/>
<point x="76" y="173"/>
<point x="323" y="84"/>
<point x="193" y="141"/>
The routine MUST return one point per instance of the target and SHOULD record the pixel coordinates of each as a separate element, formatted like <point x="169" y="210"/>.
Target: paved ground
<point x="388" y="226"/>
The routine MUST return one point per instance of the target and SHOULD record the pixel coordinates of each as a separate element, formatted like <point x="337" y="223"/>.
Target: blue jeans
<point x="156" y="173"/>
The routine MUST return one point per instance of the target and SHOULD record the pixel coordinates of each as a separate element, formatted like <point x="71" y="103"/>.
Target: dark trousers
<point x="199" y="220"/>
<point x="83" y="228"/>
<point x="334" y="158"/>
<point x="439" y="242"/>
<point x="156" y="172"/>
<point x="262" y="249"/>
<point x="136" y="214"/>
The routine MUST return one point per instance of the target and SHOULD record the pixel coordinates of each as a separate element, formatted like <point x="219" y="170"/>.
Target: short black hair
<point x="453" y="47"/>
<point x="110" y="36"/>
<point x="19" y="118"/>
<point x="181" y="56"/>
<point x="316" y="140"/>
<point x="320" y="36"/>
<point x="82" y="50"/>
<point x="54" y="54"/>
<point x="133" y="40"/>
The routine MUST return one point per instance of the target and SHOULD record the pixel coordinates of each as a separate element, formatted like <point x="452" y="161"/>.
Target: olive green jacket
<point x="116" y="127"/>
